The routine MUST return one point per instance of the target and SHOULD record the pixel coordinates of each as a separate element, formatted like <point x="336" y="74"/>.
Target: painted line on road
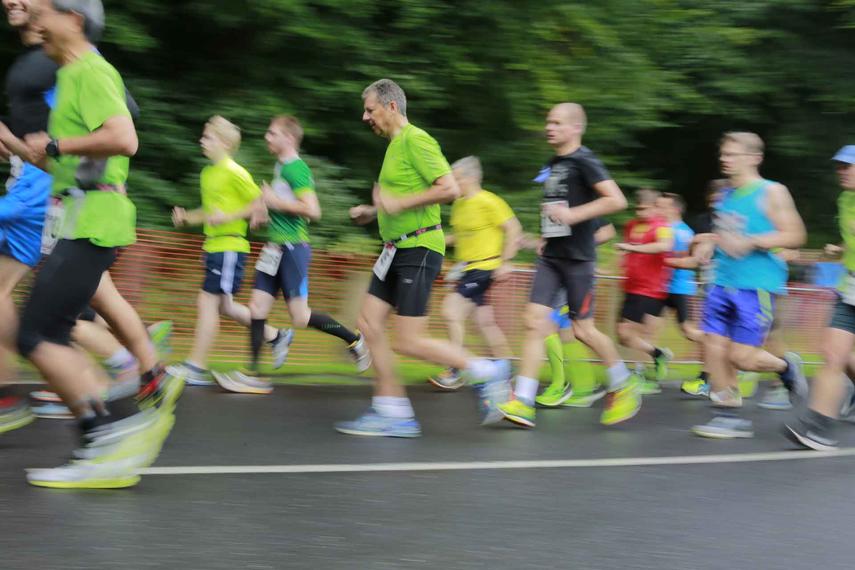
<point x="482" y="465"/>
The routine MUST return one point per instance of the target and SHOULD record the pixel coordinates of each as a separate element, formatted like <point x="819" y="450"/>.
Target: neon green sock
<point x="556" y="358"/>
<point x="578" y="369"/>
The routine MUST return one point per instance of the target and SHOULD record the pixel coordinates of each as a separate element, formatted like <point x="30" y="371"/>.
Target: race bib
<point x="269" y="258"/>
<point x="456" y="272"/>
<point x="849" y="289"/>
<point x="16" y="168"/>
<point x="552" y="229"/>
<point x="384" y="262"/>
<point x="53" y="225"/>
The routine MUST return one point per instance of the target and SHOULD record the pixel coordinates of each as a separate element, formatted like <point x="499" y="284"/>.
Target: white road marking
<point x="478" y="465"/>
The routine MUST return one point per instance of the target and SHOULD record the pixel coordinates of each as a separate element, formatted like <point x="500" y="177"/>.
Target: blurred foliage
<point x="660" y="79"/>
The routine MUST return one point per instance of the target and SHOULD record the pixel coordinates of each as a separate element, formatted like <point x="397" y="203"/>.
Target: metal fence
<point x="161" y="275"/>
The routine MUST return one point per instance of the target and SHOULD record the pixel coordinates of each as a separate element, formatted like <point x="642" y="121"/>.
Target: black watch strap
<point x="52" y="148"/>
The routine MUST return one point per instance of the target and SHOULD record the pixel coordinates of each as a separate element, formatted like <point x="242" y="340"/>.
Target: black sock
<point x="656" y="353"/>
<point x="256" y="340"/>
<point x="6" y="392"/>
<point x="327" y="324"/>
<point x="703" y="376"/>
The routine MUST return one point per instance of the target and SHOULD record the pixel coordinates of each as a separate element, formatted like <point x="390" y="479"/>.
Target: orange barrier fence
<point x="161" y="275"/>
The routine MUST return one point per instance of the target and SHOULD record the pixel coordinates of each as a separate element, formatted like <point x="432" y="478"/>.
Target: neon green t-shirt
<point x="89" y="91"/>
<point x="291" y="180"/>
<point x="229" y="188"/>
<point x="846" y="215"/>
<point x="412" y="164"/>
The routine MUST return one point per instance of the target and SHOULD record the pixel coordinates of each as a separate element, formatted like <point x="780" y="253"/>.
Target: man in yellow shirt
<point x="485" y="237"/>
<point x="229" y="199"/>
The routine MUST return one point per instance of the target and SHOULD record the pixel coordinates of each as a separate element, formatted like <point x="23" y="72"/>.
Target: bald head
<point x="573" y="112"/>
<point x="565" y="125"/>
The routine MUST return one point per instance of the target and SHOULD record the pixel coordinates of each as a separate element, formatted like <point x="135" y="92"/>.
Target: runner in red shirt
<point x="648" y="242"/>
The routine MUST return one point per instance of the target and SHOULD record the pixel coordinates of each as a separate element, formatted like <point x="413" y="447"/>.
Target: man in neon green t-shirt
<point x="229" y="199"/>
<point x="90" y="138"/>
<point x="414" y="180"/>
<point x="815" y="427"/>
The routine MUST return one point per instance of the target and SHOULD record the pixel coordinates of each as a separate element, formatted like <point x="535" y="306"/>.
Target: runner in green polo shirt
<point x="414" y="180"/>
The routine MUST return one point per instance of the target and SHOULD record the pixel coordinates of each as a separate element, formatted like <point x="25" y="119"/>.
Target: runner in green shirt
<point x="414" y="180"/>
<point x="283" y="264"/>
<point x="814" y="429"/>
<point x="229" y="198"/>
<point x="90" y="138"/>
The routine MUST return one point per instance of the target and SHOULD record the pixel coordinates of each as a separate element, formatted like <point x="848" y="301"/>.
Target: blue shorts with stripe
<point x="292" y="278"/>
<point x="223" y="272"/>
<point x="744" y="316"/>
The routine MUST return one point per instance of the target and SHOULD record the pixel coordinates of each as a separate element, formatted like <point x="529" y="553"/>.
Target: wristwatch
<point x="52" y="148"/>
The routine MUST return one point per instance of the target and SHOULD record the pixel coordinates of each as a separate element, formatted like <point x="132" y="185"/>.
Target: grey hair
<point x="469" y="166"/>
<point x="387" y="91"/>
<point x="92" y="12"/>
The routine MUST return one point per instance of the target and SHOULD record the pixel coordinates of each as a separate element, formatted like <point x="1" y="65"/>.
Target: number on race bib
<point x="269" y="259"/>
<point x="552" y="229"/>
<point x="53" y="225"/>
<point x="384" y="262"/>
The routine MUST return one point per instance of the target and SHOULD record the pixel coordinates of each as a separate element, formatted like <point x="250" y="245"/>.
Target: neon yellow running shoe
<point x="748" y="382"/>
<point x="518" y="412"/>
<point x="649" y="387"/>
<point x="585" y="400"/>
<point x="554" y="395"/>
<point x="661" y="364"/>
<point x="622" y="404"/>
<point x="696" y="387"/>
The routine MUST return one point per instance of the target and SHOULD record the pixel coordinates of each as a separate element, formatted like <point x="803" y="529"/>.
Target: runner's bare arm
<point x="306" y="205"/>
<point x="116" y="137"/>
<point x="789" y="228"/>
<point x="605" y="234"/>
<point x="611" y="200"/>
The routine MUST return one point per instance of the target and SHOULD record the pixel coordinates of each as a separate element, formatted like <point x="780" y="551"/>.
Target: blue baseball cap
<point x="846" y="154"/>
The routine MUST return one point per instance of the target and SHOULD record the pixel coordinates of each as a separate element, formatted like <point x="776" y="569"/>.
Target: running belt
<point x="416" y="233"/>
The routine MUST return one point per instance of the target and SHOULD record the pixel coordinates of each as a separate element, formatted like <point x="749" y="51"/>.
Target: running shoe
<point x="585" y="400"/>
<point x="490" y="395"/>
<point x="192" y="376"/>
<point x="649" y="387"/>
<point x="847" y="410"/>
<point x="51" y="411"/>
<point x="14" y="413"/>
<point x="748" y="382"/>
<point x="449" y="379"/>
<point x="280" y="346"/>
<point x="554" y="395"/>
<point x="163" y="391"/>
<point x="730" y="398"/>
<point x="240" y="383"/>
<point x="696" y="387"/>
<point x="45" y="396"/>
<point x="622" y="404"/>
<point x="776" y="398"/>
<point x="725" y="427"/>
<point x="810" y="436"/>
<point x="160" y="334"/>
<point x="359" y="353"/>
<point x="373" y="424"/>
<point x="117" y="474"/>
<point x="661" y="365"/>
<point x="794" y="376"/>
<point x="518" y="412"/>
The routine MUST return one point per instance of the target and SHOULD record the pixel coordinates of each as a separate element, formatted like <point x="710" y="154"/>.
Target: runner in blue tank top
<point x="754" y="217"/>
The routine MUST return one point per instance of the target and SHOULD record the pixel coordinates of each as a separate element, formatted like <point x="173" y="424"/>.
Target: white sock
<point x="525" y="389"/>
<point x="119" y="358"/>
<point x="392" y="407"/>
<point x="481" y="368"/>
<point x="617" y="376"/>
